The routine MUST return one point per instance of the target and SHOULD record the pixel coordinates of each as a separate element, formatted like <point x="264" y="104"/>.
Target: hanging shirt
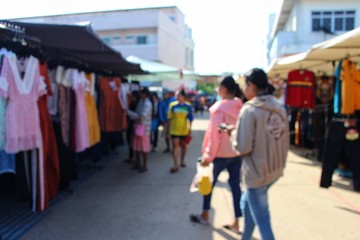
<point x="300" y="89"/>
<point x="337" y="92"/>
<point x="180" y="116"/>
<point x="348" y="87"/>
<point x="324" y="88"/>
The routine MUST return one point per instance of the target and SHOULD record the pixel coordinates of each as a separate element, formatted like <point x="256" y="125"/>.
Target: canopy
<point x="321" y="57"/>
<point x="159" y="71"/>
<point x="78" y="45"/>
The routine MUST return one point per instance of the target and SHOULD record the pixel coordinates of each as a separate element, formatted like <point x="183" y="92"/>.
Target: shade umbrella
<point x="321" y="57"/>
<point x="77" y="45"/>
<point x="159" y="71"/>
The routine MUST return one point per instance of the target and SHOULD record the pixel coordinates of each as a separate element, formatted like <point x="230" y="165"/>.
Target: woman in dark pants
<point x="217" y="148"/>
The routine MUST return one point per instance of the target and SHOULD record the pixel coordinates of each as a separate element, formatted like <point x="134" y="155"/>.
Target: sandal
<point x="174" y="170"/>
<point x="183" y="165"/>
<point x="197" y="219"/>
<point x="228" y="227"/>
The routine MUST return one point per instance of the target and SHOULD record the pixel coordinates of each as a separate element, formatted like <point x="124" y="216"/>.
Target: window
<point x="172" y="18"/>
<point x="116" y="39"/>
<point x="106" y="39"/>
<point x="332" y="21"/>
<point x="141" y="40"/>
<point x="130" y="39"/>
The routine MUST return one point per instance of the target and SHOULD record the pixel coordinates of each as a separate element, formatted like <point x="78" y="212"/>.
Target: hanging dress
<point x="22" y="114"/>
<point x="110" y="113"/>
<point x="81" y="119"/>
<point x="50" y="150"/>
<point x="92" y="114"/>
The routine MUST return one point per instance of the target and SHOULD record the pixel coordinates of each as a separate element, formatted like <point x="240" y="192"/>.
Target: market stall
<point x="322" y="93"/>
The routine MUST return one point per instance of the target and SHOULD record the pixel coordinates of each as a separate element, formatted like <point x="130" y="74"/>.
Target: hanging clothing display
<point x="81" y="120"/>
<point x="50" y="151"/>
<point x="111" y="112"/>
<point x="337" y="91"/>
<point x="23" y="93"/>
<point x="7" y="161"/>
<point x="300" y="89"/>
<point x="279" y="85"/>
<point x="324" y="88"/>
<point x="92" y="114"/>
<point x="350" y="89"/>
<point x="22" y="85"/>
<point x="341" y="137"/>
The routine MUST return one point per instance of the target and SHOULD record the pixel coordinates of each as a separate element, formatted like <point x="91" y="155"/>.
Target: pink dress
<point x="22" y="113"/>
<point x="82" y="140"/>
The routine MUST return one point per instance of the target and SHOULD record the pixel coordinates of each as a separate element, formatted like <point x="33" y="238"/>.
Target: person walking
<point x="217" y="148"/>
<point x="261" y="136"/>
<point x="163" y="115"/>
<point x="142" y="127"/>
<point x="180" y="117"/>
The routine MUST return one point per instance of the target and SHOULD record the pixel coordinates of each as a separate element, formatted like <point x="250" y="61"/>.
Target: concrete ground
<point x="119" y="203"/>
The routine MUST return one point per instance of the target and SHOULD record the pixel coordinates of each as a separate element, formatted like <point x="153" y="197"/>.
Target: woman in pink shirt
<point x="217" y="148"/>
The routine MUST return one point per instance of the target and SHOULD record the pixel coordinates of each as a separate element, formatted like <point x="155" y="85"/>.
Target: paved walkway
<point x="119" y="203"/>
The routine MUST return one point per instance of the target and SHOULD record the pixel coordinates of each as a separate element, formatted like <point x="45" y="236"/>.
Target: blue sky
<point x="229" y="35"/>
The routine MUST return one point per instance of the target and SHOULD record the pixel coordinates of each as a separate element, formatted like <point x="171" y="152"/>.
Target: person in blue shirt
<point x="163" y="115"/>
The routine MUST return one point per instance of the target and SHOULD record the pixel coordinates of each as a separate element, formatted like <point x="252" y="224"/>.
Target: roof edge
<point x="90" y="12"/>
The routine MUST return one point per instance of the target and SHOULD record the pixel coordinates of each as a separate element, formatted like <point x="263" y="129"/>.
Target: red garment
<point x="51" y="159"/>
<point x="111" y="114"/>
<point x="300" y="89"/>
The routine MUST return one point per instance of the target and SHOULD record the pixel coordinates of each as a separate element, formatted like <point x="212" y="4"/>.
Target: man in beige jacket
<point x="261" y="136"/>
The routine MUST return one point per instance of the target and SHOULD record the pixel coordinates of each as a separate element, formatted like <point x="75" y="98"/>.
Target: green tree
<point x="207" y="88"/>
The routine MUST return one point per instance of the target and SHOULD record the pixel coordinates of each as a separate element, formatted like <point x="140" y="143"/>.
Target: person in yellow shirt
<point x="180" y="117"/>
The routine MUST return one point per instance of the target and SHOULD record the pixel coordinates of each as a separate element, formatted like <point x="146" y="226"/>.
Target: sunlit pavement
<point x="119" y="203"/>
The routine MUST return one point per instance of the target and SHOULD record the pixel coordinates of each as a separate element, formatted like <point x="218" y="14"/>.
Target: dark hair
<point x="133" y="104"/>
<point x="182" y="92"/>
<point x="231" y="86"/>
<point x="154" y="94"/>
<point x="145" y="91"/>
<point x="259" y="78"/>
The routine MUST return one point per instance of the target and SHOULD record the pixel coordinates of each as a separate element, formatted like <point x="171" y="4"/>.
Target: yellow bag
<point x="203" y="179"/>
<point x="205" y="185"/>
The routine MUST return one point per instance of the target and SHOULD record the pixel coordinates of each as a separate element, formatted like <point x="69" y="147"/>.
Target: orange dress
<point x="92" y="114"/>
<point x="50" y="151"/>
<point x="110" y="110"/>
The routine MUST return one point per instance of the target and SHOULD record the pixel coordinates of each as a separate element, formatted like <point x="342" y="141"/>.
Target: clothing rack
<point x="319" y="108"/>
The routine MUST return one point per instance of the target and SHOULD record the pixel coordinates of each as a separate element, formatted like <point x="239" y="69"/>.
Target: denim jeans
<point x="255" y="206"/>
<point x="233" y="166"/>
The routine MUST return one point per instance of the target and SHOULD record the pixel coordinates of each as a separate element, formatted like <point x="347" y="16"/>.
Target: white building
<point x="302" y="23"/>
<point x="157" y="34"/>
